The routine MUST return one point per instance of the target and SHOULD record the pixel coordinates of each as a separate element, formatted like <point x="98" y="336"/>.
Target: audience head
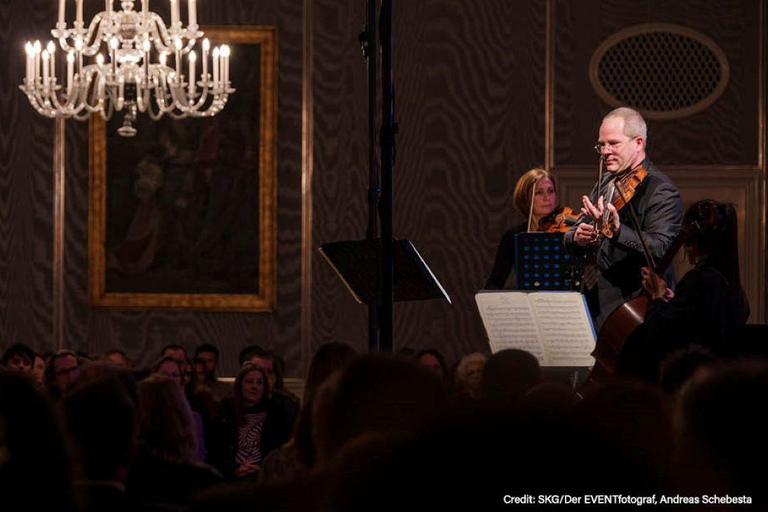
<point x="178" y="353"/>
<point x="247" y="352"/>
<point x="328" y="359"/>
<point x="20" y="358"/>
<point x="168" y="367"/>
<point x="433" y="360"/>
<point x="266" y="360"/>
<point x="251" y="386"/>
<point x="508" y="375"/>
<point x="189" y="380"/>
<point x="469" y="374"/>
<point x="722" y="429"/>
<point x="118" y="358"/>
<point x="379" y="395"/>
<point x="34" y="468"/>
<point x="61" y="371"/>
<point x="680" y="366"/>
<point x="101" y="422"/>
<point x="166" y="429"/>
<point x="208" y="355"/>
<point x="38" y="369"/>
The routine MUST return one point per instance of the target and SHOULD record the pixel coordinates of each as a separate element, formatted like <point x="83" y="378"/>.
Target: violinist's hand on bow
<point x="586" y="234"/>
<point x="597" y="212"/>
<point x="655" y="286"/>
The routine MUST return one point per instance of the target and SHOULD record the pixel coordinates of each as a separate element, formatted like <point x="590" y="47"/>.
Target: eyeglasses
<point x="610" y="146"/>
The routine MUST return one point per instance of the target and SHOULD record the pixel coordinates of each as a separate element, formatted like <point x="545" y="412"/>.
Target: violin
<point x="625" y="187"/>
<point x="559" y="221"/>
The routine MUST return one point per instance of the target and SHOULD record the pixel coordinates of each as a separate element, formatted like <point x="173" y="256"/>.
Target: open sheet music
<point x="553" y="326"/>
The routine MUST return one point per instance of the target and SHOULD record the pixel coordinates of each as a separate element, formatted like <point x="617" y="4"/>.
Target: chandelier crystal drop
<point x="122" y="75"/>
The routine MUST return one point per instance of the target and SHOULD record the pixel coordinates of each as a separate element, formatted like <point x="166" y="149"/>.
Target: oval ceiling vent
<point x="664" y="71"/>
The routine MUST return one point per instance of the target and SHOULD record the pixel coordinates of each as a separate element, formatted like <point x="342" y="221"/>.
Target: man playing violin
<point x="614" y="248"/>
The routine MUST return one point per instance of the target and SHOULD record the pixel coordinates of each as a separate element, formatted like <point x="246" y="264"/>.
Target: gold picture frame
<point x="184" y="216"/>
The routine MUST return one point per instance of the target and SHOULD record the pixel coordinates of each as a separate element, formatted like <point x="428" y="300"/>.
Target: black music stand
<point x="358" y="265"/>
<point x="543" y="263"/>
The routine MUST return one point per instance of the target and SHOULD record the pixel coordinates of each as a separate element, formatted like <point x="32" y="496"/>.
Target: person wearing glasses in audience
<point x="614" y="256"/>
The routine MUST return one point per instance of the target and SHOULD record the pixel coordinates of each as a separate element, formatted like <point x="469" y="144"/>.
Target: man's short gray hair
<point x="634" y="124"/>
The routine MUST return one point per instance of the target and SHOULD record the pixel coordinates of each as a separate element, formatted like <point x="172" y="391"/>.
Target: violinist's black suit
<point x="658" y="208"/>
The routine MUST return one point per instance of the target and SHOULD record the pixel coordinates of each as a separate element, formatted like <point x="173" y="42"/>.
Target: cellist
<point x="614" y="249"/>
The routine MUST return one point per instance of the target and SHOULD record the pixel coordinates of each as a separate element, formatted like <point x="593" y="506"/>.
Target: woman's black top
<point x="223" y="447"/>
<point x="505" y="255"/>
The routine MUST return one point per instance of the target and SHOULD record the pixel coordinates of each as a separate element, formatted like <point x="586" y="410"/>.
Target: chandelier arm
<point x="90" y="50"/>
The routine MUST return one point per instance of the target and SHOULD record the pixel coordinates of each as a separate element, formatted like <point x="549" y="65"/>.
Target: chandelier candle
<point x="114" y="51"/>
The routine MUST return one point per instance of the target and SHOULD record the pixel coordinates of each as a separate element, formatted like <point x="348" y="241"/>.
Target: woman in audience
<point x="469" y="375"/>
<point x="248" y="426"/>
<point x="164" y="469"/>
<point x="169" y="367"/>
<point x="295" y="458"/>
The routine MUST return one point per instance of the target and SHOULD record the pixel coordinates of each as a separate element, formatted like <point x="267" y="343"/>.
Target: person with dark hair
<point x="38" y="369"/>
<point x="164" y="468"/>
<point x="708" y="305"/>
<point x="100" y="419"/>
<point x="433" y="360"/>
<point x="62" y="369"/>
<point x="207" y="357"/>
<point x="508" y="375"/>
<point x="119" y="358"/>
<point x="245" y="355"/>
<point x="296" y="457"/>
<point x="681" y="366"/>
<point x="34" y="469"/>
<point x="19" y="357"/>
<point x="248" y="426"/>
<point x="177" y="352"/>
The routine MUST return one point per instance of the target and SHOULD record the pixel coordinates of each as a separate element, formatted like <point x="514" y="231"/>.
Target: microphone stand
<point x="368" y="44"/>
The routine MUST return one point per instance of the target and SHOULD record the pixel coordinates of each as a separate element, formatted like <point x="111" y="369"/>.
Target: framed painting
<point x="184" y="214"/>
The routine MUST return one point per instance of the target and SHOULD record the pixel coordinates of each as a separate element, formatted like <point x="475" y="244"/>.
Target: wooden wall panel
<point x="26" y="217"/>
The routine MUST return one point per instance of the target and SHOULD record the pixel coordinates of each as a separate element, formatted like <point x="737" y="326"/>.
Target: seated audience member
<point x="168" y="367"/>
<point x="721" y="432"/>
<point x="508" y="375"/>
<point x="100" y="420"/>
<point x="164" y="469"/>
<point x="279" y="367"/>
<point x="245" y="355"/>
<point x="248" y="426"/>
<point x="376" y="395"/>
<point x="118" y="358"/>
<point x="194" y="388"/>
<point x="208" y="355"/>
<point x="34" y="468"/>
<point x="681" y="366"/>
<point x="198" y="404"/>
<point x="61" y="371"/>
<point x="265" y="359"/>
<point x="20" y="358"/>
<point x="294" y="459"/>
<point x="469" y="375"/>
<point x="433" y="361"/>
<point x="38" y="369"/>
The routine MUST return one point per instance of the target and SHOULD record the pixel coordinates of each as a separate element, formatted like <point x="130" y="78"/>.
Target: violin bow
<point x="530" y="208"/>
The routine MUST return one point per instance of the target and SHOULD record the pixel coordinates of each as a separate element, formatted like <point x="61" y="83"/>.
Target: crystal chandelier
<point x="122" y="77"/>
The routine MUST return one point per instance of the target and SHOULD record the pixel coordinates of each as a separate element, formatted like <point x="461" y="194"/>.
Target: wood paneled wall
<point x="471" y="81"/>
